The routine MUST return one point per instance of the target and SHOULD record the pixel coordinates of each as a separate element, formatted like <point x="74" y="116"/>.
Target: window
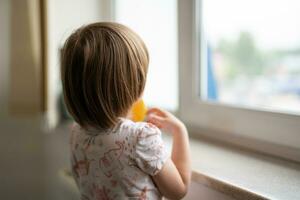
<point x="239" y="71"/>
<point x="253" y="60"/>
<point x="156" y="22"/>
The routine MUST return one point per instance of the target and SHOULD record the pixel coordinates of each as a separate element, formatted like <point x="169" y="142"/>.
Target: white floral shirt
<point x="117" y="163"/>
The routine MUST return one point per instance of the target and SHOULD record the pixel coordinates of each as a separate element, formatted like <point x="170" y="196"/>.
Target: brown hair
<point x="104" y="68"/>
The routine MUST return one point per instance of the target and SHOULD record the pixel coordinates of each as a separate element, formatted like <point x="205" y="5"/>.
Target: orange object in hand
<point x="138" y="111"/>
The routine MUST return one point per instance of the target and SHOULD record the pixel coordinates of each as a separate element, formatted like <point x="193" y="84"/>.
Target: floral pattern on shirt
<point x="118" y="163"/>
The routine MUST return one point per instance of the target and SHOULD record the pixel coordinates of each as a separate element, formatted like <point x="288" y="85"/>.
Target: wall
<point x="4" y="56"/>
<point x="25" y="61"/>
<point x="20" y="93"/>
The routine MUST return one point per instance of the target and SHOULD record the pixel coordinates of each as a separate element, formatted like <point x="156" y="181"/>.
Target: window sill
<point x="242" y="174"/>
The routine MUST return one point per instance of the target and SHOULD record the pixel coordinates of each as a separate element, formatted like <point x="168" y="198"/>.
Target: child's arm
<point x="174" y="178"/>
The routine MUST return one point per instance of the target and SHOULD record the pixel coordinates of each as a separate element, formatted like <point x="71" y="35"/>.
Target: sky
<point x="274" y="23"/>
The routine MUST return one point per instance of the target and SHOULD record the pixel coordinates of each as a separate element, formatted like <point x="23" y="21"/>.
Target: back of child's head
<point x="104" y="68"/>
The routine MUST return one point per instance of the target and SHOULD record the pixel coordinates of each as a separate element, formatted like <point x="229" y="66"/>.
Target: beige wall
<point x="4" y="56"/>
<point x="25" y="59"/>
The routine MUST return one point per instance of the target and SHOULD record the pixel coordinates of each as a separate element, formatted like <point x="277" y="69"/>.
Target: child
<point x="104" y="68"/>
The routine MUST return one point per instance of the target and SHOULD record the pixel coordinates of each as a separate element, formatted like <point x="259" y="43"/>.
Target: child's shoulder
<point x="149" y="149"/>
<point x="140" y="129"/>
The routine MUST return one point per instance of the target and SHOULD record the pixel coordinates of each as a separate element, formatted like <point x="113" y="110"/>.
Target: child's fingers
<point x="156" y="110"/>
<point x="156" y="120"/>
<point x="157" y="125"/>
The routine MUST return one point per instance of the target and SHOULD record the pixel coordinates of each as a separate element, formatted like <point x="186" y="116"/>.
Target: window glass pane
<point x="156" y="22"/>
<point x="252" y="53"/>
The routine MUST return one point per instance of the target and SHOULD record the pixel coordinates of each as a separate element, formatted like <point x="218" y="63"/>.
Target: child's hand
<point x="164" y="120"/>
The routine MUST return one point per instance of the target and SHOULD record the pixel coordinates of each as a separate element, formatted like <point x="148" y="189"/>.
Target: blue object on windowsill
<point x="212" y="90"/>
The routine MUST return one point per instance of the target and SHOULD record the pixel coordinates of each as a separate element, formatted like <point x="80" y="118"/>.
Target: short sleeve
<point x="150" y="150"/>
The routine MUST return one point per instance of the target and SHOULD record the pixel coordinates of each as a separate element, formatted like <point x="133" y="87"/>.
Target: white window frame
<point x="262" y="130"/>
